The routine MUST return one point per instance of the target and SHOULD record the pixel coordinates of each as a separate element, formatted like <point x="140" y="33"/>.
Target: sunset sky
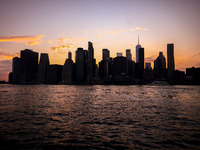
<point x="58" y="26"/>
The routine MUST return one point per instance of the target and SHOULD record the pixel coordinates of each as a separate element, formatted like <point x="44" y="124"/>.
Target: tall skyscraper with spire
<point x="139" y="61"/>
<point x="137" y="50"/>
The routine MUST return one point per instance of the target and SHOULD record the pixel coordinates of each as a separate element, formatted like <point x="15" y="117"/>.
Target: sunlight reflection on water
<point x="95" y="117"/>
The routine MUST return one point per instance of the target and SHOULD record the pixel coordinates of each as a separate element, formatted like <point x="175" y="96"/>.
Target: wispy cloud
<point x="99" y="32"/>
<point x="65" y="43"/>
<point x="5" y="68"/>
<point x="20" y="39"/>
<point x="50" y="41"/>
<point x="31" y="43"/>
<point x="150" y="58"/>
<point x="196" y="55"/>
<point x="64" y="39"/>
<point x="197" y="64"/>
<point x="96" y="43"/>
<point x="7" y="55"/>
<point x="5" y="65"/>
<point x="113" y="32"/>
<point x="139" y="28"/>
<point x="61" y="49"/>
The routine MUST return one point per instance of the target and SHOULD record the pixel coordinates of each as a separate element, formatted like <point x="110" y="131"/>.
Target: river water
<point x="99" y="117"/>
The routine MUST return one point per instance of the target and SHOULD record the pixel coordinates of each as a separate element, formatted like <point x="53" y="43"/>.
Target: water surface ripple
<point x="99" y="117"/>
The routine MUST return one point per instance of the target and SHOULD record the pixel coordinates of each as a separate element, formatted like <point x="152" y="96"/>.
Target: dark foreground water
<point x="99" y="117"/>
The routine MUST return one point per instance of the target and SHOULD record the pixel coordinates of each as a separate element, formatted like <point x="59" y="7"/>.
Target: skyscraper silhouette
<point x="148" y="66"/>
<point x="42" y="67"/>
<point x="105" y="54"/>
<point x="80" y="68"/>
<point x="119" y="54"/>
<point x="68" y="70"/>
<point x="54" y="74"/>
<point x="104" y="64"/>
<point x="137" y="50"/>
<point x="141" y="63"/>
<point x="160" y="66"/>
<point x="91" y="63"/>
<point x="119" y="66"/>
<point x="128" y="54"/>
<point x="29" y="66"/>
<point x="16" y="68"/>
<point x="170" y="61"/>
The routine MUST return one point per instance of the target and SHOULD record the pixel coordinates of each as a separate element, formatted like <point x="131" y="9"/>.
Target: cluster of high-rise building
<point x="118" y="70"/>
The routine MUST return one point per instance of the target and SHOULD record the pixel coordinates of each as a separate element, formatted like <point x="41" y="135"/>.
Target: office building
<point x="10" y="78"/>
<point x="91" y="63"/>
<point x="16" y="70"/>
<point x="170" y="61"/>
<point x="148" y="66"/>
<point x="29" y="66"/>
<point x="128" y="54"/>
<point x="140" y="64"/>
<point x="42" y="67"/>
<point x="131" y="69"/>
<point x="68" y="70"/>
<point x="80" y="66"/>
<point x="120" y="66"/>
<point x="119" y="55"/>
<point x="105" y="54"/>
<point x="160" y="71"/>
<point x="54" y="74"/>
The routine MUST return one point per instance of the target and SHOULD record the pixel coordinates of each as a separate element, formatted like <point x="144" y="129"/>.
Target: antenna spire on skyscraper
<point x="138" y="40"/>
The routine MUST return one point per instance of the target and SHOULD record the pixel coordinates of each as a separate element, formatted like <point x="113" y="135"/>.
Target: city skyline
<point x="59" y="27"/>
<point x="117" y="70"/>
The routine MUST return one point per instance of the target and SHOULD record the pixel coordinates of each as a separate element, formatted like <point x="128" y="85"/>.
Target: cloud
<point x="5" y="65"/>
<point x="63" y="40"/>
<point x="61" y="48"/>
<point x="98" y="35"/>
<point x="20" y="39"/>
<point x="50" y="41"/>
<point x="111" y="32"/>
<point x="7" y="55"/>
<point x="150" y="59"/>
<point x="99" y="32"/>
<point x="181" y="68"/>
<point x="31" y="43"/>
<point x="5" y="68"/>
<point x="89" y="31"/>
<point x="78" y="39"/>
<point x="96" y="43"/>
<point x="65" y="43"/>
<point x="197" y="64"/>
<point x="139" y="28"/>
<point x="196" y="55"/>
